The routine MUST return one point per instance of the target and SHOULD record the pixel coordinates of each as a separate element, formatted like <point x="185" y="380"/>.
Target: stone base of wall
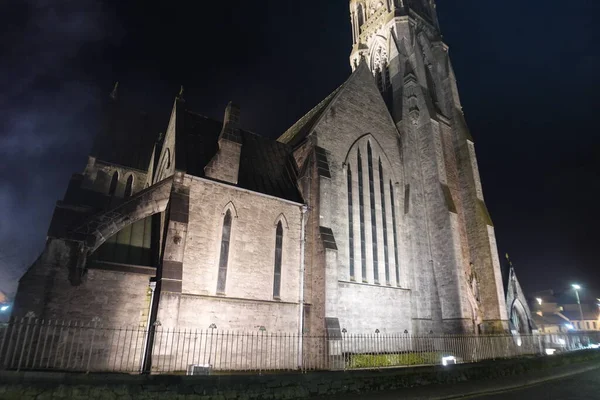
<point x="50" y="386"/>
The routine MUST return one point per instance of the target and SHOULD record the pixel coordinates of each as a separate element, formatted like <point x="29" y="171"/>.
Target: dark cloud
<point x="46" y="97"/>
<point x="527" y="74"/>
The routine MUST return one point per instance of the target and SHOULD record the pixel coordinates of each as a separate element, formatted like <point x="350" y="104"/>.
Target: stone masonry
<point x="366" y="215"/>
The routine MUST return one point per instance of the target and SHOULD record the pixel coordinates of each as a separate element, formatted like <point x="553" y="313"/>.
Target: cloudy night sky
<point x="527" y="71"/>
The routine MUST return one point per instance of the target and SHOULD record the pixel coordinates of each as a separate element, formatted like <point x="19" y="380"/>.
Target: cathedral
<point x="366" y="215"/>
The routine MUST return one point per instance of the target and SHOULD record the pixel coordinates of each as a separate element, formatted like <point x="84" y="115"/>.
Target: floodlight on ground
<point x="448" y="360"/>
<point x="4" y="308"/>
<point x="550" y="352"/>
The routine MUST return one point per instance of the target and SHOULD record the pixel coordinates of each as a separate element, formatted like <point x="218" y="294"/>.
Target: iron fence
<point x="30" y="344"/>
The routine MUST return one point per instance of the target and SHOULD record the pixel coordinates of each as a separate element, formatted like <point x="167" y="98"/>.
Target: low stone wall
<point x="50" y="386"/>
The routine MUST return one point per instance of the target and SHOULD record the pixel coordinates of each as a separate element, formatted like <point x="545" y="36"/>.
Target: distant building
<point x="590" y="321"/>
<point x="554" y="313"/>
<point x="4" y="315"/>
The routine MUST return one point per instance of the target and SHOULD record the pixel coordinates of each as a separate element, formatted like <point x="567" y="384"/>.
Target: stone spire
<point x="114" y="94"/>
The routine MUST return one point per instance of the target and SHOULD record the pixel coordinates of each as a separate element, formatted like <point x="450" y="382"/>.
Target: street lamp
<point x="577" y="289"/>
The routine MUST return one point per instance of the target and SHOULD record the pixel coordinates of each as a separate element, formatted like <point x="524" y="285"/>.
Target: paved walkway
<point x="572" y="382"/>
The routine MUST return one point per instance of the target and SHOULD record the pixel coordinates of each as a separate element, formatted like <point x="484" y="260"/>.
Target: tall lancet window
<point x="278" y="255"/>
<point x="350" y="224"/>
<point x="392" y="198"/>
<point x="129" y="186"/>
<point x="113" y="184"/>
<point x="373" y="214"/>
<point x="361" y="203"/>
<point x="361" y="16"/>
<point x="224" y="257"/>
<point x="384" y="221"/>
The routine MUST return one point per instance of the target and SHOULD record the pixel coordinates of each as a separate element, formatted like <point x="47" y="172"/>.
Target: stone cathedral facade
<point x="367" y="214"/>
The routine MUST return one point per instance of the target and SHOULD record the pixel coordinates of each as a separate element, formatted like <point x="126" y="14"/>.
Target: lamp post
<point x="577" y="288"/>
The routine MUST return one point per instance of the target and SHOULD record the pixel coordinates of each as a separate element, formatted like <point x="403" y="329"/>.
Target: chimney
<point x="225" y="165"/>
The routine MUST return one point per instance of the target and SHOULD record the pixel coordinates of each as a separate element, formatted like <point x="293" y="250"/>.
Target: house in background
<point x="4" y="312"/>
<point x="590" y="321"/>
<point x="553" y="313"/>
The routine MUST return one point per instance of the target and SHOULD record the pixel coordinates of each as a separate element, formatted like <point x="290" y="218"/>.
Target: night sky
<point x="528" y="72"/>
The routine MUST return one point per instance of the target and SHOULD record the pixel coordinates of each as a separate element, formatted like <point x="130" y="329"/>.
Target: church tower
<point x="400" y="41"/>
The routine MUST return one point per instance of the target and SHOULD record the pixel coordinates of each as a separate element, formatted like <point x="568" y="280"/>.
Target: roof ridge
<point x="293" y="130"/>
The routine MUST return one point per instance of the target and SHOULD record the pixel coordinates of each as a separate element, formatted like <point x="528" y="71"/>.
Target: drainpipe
<point x="301" y="299"/>
<point x="147" y="338"/>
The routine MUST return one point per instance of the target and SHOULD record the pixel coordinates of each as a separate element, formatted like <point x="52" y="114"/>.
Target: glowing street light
<point x="577" y="289"/>
<point x="4" y="308"/>
<point x="539" y="300"/>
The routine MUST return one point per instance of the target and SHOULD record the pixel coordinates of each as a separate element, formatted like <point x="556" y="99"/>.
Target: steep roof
<point x="298" y="132"/>
<point x="549" y="319"/>
<point x="576" y="315"/>
<point x="266" y="166"/>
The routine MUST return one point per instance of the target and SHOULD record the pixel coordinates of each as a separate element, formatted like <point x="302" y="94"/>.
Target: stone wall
<point x="46" y="386"/>
<point x="115" y="298"/>
<point x="248" y="301"/>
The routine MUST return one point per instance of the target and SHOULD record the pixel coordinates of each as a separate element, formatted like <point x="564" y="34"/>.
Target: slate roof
<point x="576" y="316"/>
<point x="266" y="166"/>
<point x="298" y="132"/>
<point x="128" y="135"/>
<point x="549" y="319"/>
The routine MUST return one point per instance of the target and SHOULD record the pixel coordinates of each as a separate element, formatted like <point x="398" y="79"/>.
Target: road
<point x="585" y="386"/>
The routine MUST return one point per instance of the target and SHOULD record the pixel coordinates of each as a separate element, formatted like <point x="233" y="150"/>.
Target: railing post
<point x="95" y="320"/>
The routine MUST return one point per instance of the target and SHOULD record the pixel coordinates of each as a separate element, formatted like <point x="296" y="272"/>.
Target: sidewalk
<point x="472" y="388"/>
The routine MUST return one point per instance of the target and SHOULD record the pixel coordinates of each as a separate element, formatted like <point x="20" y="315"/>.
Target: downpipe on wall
<point x="301" y="299"/>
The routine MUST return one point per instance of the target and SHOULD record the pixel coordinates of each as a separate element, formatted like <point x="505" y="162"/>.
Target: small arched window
<point x="113" y="184"/>
<point x="278" y="256"/>
<point x="129" y="186"/>
<point x="361" y="16"/>
<point x="224" y="256"/>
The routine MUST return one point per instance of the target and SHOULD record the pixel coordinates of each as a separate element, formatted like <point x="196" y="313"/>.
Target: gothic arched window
<point x="168" y="158"/>
<point x="224" y="255"/>
<point x="396" y="258"/>
<point x="278" y="256"/>
<point x="129" y="186"/>
<point x="373" y="214"/>
<point x="361" y="202"/>
<point x="350" y="224"/>
<point x="361" y="16"/>
<point x="113" y="184"/>
<point x="384" y="222"/>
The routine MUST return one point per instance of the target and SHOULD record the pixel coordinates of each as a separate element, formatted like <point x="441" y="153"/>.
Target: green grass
<point x="392" y="360"/>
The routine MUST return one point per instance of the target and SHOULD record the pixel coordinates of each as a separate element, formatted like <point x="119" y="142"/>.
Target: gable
<point x="358" y="98"/>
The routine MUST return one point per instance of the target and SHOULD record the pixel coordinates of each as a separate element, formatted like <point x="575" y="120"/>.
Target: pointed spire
<point x="114" y="93"/>
<point x="180" y="94"/>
